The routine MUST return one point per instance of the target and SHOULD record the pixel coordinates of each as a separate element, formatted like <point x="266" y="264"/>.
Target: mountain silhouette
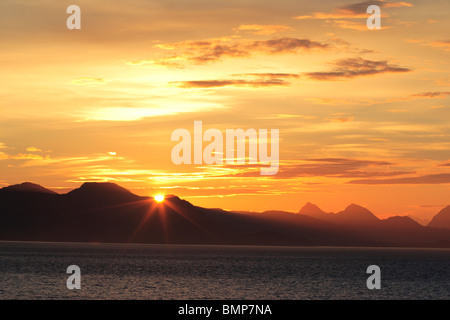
<point x="27" y="187"/>
<point x="421" y="221"/>
<point x="106" y="212"/>
<point x="97" y="194"/>
<point x="442" y="219"/>
<point x="355" y="214"/>
<point x="352" y="215"/>
<point x="312" y="210"/>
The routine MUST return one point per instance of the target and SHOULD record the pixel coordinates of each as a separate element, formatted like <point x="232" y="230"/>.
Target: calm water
<point x="120" y="271"/>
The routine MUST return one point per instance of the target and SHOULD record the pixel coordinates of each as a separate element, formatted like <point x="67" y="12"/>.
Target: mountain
<point x="352" y="215"/>
<point x="442" y="219"/>
<point x="421" y="221"/>
<point x="97" y="194"/>
<point x="106" y="212"/>
<point x="310" y="209"/>
<point x="356" y="215"/>
<point x="403" y="222"/>
<point x="401" y="231"/>
<point x="27" y="187"/>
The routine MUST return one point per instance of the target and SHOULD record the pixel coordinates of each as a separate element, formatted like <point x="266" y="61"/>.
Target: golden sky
<point x="363" y="114"/>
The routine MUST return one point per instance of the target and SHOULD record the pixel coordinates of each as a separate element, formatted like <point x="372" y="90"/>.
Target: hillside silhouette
<point x="106" y="212"/>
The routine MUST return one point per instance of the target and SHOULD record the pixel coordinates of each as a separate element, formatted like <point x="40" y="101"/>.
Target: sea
<point x="38" y="270"/>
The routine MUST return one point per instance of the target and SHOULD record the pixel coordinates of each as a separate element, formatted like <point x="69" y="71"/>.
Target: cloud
<point x="269" y="75"/>
<point x="170" y="62"/>
<point x="226" y="83"/>
<point x="262" y="80"/>
<point x="22" y="156"/>
<point x="343" y="119"/>
<point x="354" y="10"/>
<point x="440" y="44"/>
<point x="445" y="164"/>
<point x="89" y="81"/>
<point x="346" y="24"/>
<point x="430" y="205"/>
<point x="325" y="167"/>
<point x="435" y="94"/>
<point x="264" y="29"/>
<point x="212" y="50"/>
<point x="355" y="67"/>
<point x="274" y="46"/>
<point x="337" y="167"/>
<point x="344" y="16"/>
<point x="352" y="25"/>
<point x="286" y="45"/>
<point x="137" y="113"/>
<point x="286" y="116"/>
<point x="426" y="179"/>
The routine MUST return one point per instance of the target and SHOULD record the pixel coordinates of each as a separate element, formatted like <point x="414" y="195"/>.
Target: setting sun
<point x="159" y="198"/>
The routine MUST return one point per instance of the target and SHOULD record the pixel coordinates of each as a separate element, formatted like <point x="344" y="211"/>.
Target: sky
<point x="363" y="115"/>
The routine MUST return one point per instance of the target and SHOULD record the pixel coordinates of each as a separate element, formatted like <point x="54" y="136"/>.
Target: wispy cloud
<point x="259" y="80"/>
<point x="355" y="67"/>
<point x="438" y="44"/>
<point x="435" y="94"/>
<point x="354" y="10"/>
<point x="349" y="16"/>
<point x="264" y="29"/>
<point x="269" y="75"/>
<point x="136" y="113"/>
<point x="89" y="81"/>
<point x="234" y="83"/>
<point x="441" y="44"/>
<point x="439" y="178"/>
<point x="212" y="50"/>
<point x="327" y="167"/>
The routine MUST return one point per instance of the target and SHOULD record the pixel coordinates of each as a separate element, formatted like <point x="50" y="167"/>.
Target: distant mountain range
<point x="106" y="212"/>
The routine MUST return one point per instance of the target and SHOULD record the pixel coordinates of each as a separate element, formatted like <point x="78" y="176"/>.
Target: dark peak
<point x="102" y="186"/>
<point x="421" y="221"/>
<point x="171" y="197"/>
<point x="103" y="192"/>
<point x="175" y="200"/>
<point x="446" y="210"/>
<point x="358" y="212"/>
<point x="444" y="213"/>
<point x="442" y="219"/>
<point x="310" y="208"/>
<point x="402" y="221"/>
<point x="355" y="208"/>
<point x="29" y="188"/>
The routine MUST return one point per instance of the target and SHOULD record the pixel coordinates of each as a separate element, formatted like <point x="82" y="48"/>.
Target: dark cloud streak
<point x="427" y="179"/>
<point x="355" y="67"/>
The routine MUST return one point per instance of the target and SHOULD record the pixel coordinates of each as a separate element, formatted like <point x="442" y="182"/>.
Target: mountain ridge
<point x="441" y="219"/>
<point x="106" y="212"/>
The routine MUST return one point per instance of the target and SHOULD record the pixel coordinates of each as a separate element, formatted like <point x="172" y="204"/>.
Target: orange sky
<point x="363" y="114"/>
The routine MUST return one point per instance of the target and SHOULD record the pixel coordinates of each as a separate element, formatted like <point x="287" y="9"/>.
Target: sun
<point x="159" y="198"/>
